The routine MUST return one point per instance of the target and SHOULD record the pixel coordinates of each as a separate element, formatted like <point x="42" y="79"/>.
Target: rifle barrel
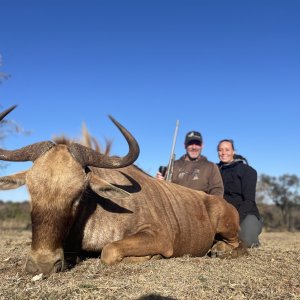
<point x="172" y="156"/>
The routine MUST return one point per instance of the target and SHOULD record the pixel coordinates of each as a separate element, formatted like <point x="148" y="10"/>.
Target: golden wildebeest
<point x="82" y="200"/>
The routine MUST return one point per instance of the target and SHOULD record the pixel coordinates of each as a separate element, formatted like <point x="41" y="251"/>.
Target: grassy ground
<point x="269" y="272"/>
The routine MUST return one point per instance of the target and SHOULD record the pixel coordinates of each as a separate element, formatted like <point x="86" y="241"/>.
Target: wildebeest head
<point x="56" y="181"/>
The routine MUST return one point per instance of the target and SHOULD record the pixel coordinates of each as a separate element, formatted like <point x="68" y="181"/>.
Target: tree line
<point x="279" y="201"/>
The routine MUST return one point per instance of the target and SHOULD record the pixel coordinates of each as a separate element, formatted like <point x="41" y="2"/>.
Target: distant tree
<point x="262" y="197"/>
<point x="7" y="126"/>
<point x="283" y="191"/>
<point x="3" y="124"/>
<point x="3" y="75"/>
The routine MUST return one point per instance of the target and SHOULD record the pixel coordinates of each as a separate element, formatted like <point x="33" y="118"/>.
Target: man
<point x="193" y="170"/>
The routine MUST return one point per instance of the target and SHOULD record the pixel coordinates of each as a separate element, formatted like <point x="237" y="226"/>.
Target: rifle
<point x="169" y="172"/>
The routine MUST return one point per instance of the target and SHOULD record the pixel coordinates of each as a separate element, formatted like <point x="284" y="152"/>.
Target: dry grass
<point x="269" y="272"/>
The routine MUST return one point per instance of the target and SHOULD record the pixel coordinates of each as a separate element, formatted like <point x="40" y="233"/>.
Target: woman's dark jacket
<point x="239" y="181"/>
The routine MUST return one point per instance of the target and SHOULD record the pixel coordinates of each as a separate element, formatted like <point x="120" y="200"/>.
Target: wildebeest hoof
<point x="221" y="250"/>
<point x="224" y="250"/>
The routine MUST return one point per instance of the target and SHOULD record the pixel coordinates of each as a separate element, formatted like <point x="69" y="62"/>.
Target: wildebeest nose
<point x="31" y="267"/>
<point x="58" y="266"/>
<point x="44" y="267"/>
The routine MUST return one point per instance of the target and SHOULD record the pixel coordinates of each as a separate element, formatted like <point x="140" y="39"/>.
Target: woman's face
<point x="225" y="152"/>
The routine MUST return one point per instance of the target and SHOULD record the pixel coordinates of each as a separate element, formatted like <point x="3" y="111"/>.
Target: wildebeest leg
<point x="139" y="259"/>
<point x="137" y="248"/>
<point x="228" y="228"/>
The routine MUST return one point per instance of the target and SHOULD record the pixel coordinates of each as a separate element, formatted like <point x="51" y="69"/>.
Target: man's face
<point x="193" y="149"/>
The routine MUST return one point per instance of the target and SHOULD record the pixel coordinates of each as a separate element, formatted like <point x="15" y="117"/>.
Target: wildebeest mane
<point x="86" y="140"/>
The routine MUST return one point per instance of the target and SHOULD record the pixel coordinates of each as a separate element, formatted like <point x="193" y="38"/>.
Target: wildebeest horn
<point x="28" y="153"/>
<point x="88" y="157"/>
<point x="6" y="112"/>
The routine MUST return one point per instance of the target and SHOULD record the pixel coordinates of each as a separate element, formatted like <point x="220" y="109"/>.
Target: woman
<point x="239" y="181"/>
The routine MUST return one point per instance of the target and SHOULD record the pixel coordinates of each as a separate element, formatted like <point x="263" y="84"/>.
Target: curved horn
<point x="28" y="153"/>
<point x="88" y="157"/>
<point x="6" y="112"/>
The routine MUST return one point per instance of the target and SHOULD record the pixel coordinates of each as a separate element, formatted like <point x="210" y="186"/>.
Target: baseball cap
<point x="193" y="136"/>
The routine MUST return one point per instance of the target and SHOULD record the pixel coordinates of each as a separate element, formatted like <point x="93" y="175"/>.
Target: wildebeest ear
<point x="105" y="189"/>
<point x="13" y="181"/>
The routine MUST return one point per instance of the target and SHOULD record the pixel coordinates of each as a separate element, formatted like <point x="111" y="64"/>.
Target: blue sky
<point x="229" y="69"/>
